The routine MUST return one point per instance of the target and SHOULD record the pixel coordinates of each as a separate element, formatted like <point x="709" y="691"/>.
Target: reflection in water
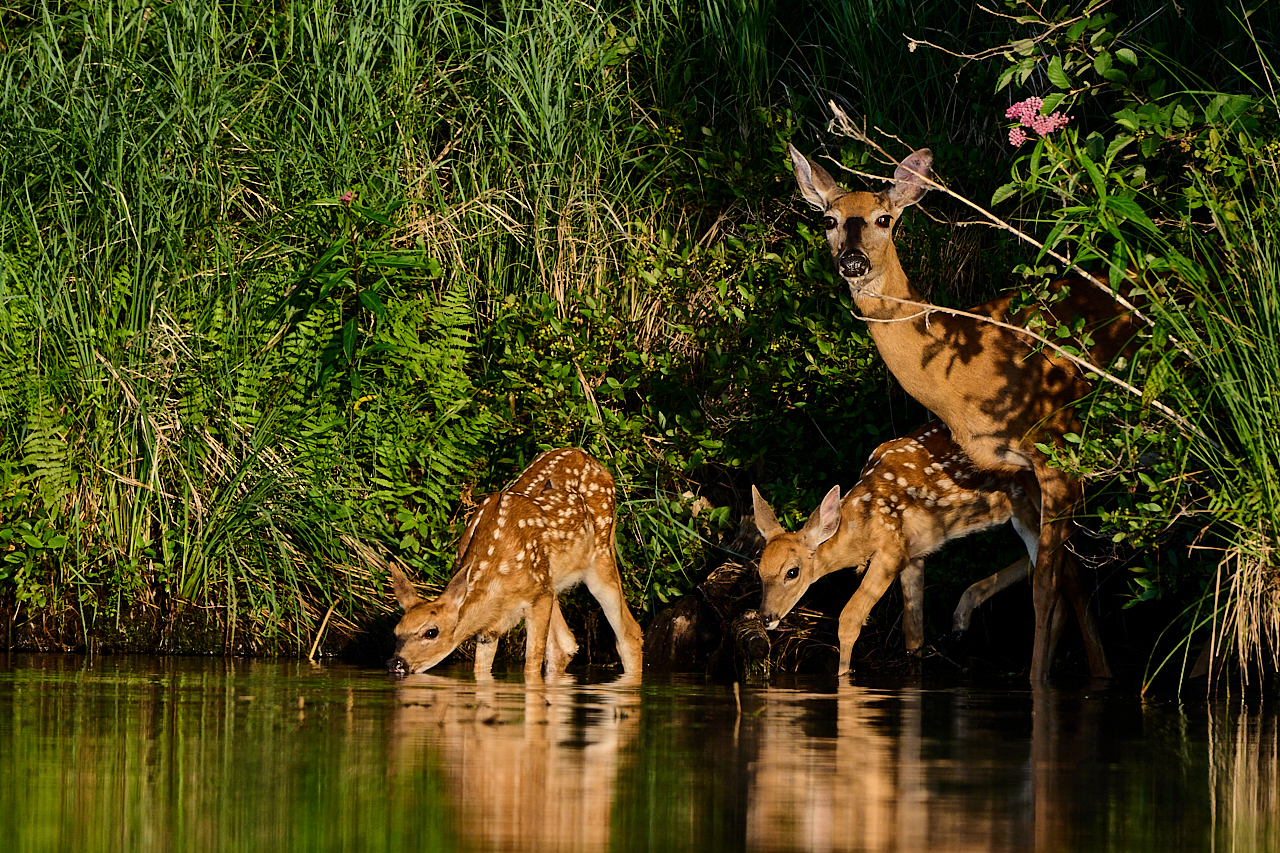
<point x="527" y="768"/>
<point x="171" y="754"/>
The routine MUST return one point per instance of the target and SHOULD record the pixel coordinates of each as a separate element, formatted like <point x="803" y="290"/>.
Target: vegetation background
<point x="285" y="286"/>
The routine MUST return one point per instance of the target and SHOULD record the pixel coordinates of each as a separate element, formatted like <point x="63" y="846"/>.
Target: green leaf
<point x="1117" y="145"/>
<point x="370" y="301"/>
<point x="1057" y="76"/>
<point x="1127" y="56"/>
<point x="1128" y="119"/>
<point x="1006" y="78"/>
<point x="1052" y="102"/>
<point x="1004" y="192"/>
<point x="1095" y="176"/>
<point x="1129" y="209"/>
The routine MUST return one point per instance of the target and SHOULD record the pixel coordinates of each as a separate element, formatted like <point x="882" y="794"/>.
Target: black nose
<point x="854" y="264"/>
<point x="397" y="666"/>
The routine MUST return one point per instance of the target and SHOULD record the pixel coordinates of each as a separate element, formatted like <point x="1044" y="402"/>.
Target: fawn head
<point x="787" y="566"/>
<point x="859" y="225"/>
<point x="425" y="634"/>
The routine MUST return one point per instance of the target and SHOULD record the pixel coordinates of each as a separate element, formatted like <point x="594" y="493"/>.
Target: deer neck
<point x="903" y="334"/>
<point x="881" y="294"/>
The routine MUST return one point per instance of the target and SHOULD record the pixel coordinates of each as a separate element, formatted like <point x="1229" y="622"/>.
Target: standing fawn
<point x="548" y="531"/>
<point x="914" y="495"/>
<point x="998" y="392"/>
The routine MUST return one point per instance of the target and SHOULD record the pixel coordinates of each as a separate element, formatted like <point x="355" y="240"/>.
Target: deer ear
<point x="824" y="522"/>
<point x="911" y="179"/>
<point x="766" y="521"/>
<point x="406" y="595"/>
<point x="817" y="187"/>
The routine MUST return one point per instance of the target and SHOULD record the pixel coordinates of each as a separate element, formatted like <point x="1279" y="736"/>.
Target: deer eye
<point x="884" y="221"/>
<point x="431" y="633"/>
<point x="828" y="222"/>
<point x="793" y="573"/>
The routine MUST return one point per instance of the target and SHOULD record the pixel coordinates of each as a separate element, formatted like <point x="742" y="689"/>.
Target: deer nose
<point x="854" y="264"/>
<point x="397" y="667"/>
<point x="770" y="621"/>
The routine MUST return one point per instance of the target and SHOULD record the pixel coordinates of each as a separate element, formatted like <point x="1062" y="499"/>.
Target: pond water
<point x="193" y="754"/>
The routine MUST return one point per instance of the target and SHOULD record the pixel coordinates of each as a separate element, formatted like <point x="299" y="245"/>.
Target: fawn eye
<point x="431" y="633"/>
<point x="828" y="222"/>
<point x="793" y="573"/>
<point x="884" y="221"/>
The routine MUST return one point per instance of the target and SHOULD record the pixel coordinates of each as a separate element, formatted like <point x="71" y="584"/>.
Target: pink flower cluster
<point x="1028" y="115"/>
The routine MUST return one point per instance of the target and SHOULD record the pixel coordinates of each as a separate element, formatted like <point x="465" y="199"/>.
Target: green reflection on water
<point x="194" y="754"/>
<point x="197" y="754"/>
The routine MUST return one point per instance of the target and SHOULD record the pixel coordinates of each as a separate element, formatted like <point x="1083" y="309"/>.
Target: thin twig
<point x="311" y="655"/>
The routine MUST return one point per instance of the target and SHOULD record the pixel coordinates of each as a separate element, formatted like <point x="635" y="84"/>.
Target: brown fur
<point x="915" y="494"/>
<point x="992" y="387"/>
<point x="549" y="530"/>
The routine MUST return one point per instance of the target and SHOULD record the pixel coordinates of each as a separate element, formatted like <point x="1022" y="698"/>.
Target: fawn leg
<point x="912" y="582"/>
<point x="605" y="584"/>
<point x="879" y="575"/>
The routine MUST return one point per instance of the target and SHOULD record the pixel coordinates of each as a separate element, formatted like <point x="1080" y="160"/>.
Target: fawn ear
<point x="912" y="179"/>
<point x="766" y="521"/>
<point x="817" y="187"/>
<point x="406" y="595"/>
<point x="824" y="522"/>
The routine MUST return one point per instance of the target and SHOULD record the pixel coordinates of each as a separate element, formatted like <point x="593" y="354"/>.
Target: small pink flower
<point x="1024" y="110"/>
<point x="1028" y="115"/>
<point x="346" y="198"/>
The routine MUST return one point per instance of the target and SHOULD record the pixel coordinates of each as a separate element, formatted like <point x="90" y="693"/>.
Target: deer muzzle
<point x="397" y="667"/>
<point x="854" y="264"/>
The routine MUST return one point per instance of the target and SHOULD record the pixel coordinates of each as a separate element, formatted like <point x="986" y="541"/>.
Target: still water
<point x="191" y="754"/>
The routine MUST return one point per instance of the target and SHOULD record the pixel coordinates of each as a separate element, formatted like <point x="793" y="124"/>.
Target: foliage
<point x="287" y="285"/>
<point x="1168" y="185"/>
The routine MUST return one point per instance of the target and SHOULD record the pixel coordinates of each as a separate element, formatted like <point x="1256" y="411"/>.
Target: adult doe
<point x="994" y="388"/>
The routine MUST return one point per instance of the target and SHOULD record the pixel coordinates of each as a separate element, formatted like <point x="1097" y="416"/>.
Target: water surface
<point x="196" y="754"/>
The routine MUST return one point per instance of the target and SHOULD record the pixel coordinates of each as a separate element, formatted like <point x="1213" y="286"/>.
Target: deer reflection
<point x="529" y="767"/>
<point x="859" y="787"/>
<point x="875" y="782"/>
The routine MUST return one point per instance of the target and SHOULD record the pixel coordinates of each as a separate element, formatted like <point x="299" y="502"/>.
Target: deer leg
<point x="879" y="575"/>
<point x="605" y="584"/>
<point x="1059" y="495"/>
<point x="912" y="582"/>
<point x="1073" y="587"/>
<point x="537" y="623"/>
<point x="979" y="593"/>
<point x="561" y="646"/>
<point x="486" y="648"/>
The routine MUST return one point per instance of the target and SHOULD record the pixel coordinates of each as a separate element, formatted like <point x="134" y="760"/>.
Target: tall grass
<point x="282" y="287"/>
<point x="251" y="269"/>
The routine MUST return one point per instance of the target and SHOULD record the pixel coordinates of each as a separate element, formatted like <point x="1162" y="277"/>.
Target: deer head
<point x="425" y="634"/>
<point x="859" y="225"/>
<point x="787" y="566"/>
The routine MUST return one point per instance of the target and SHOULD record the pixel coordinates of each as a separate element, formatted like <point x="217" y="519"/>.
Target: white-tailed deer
<point x="996" y="390"/>
<point x="915" y="494"/>
<point x="549" y="530"/>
